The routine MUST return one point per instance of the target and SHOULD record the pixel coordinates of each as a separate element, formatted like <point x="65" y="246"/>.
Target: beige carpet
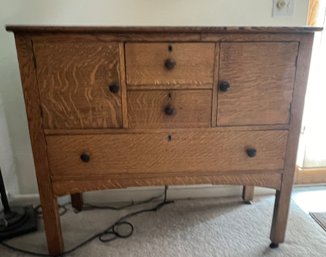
<point x="189" y="228"/>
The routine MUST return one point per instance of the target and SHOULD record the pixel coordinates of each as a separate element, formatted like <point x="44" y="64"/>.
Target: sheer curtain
<point x="314" y="123"/>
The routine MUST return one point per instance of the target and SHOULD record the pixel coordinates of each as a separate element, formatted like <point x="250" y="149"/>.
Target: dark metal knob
<point x="169" y="110"/>
<point x="169" y="64"/>
<point x="114" y="88"/>
<point x="251" y="152"/>
<point x="85" y="157"/>
<point x="224" y="86"/>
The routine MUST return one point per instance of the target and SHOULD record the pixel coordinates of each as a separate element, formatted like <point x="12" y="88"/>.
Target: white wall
<point x="15" y="149"/>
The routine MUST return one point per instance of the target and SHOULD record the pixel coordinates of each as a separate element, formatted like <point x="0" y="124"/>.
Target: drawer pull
<point x="169" y="110"/>
<point x="224" y="86"/>
<point x="169" y="64"/>
<point x="85" y="157"/>
<point x="251" y="152"/>
<point x="114" y="88"/>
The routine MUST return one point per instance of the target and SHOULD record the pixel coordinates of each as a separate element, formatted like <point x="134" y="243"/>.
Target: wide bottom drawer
<point x="161" y="152"/>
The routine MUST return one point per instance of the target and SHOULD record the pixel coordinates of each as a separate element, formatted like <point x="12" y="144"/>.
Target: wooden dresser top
<point x="121" y="29"/>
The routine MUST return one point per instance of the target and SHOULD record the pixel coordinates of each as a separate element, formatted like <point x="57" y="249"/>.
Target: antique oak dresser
<point x="114" y="107"/>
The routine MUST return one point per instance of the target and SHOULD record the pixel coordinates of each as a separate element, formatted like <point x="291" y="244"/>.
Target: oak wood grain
<point x="194" y="64"/>
<point x="162" y="130"/>
<point x="128" y="140"/>
<point x="215" y="83"/>
<point x="250" y="37"/>
<point x="123" y="86"/>
<point x="283" y="196"/>
<point x="191" y="108"/>
<point x="32" y="101"/>
<point x="62" y="187"/>
<point x="313" y="11"/>
<point x="160" y="29"/>
<point x="261" y="76"/>
<point x="310" y="176"/>
<point x="166" y="152"/>
<point x="165" y="37"/>
<point x="165" y="174"/>
<point x="73" y="78"/>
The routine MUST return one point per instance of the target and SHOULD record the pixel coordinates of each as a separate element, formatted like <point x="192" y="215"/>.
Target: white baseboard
<point x="174" y="192"/>
<point x="142" y="193"/>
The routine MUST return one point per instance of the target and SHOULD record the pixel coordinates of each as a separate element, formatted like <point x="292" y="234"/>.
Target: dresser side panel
<point x="32" y="102"/>
<point x="283" y="195"/>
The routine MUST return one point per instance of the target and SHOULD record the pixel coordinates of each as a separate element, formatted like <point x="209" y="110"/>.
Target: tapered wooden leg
<point x="31" y="94"/>
<point x="248" y="194"/>
<point x="52" y="227"/>
<point x="77" y="201"/>
<point x="280" y="216"/>
<point x="282" y="199"/>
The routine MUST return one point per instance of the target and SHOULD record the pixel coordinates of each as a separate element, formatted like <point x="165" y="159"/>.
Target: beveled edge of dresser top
<point x="156" y="29"/>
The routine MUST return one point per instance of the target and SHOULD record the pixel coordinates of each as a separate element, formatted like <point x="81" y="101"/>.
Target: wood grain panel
<point x="250" y="37"/>
<point x="192" y="108"/>
<point x="67" y="186"/>
<point x="166" y="152"/>
<point x="161" y="130"/>
<point x="283" y="196"/>
<point x="310" y="175"/>
<point x="313" y="10"/>
<point x="165" y="37"/>
<point x="73" y="78"/>
<point x="261" y="76"/>
<point x="123" y="85"/>
<point x="216" y="78"/>
<point x="48" y="199"/>
<point x="194" y="64"/>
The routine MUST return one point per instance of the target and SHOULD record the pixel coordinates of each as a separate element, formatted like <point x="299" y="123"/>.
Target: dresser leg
<point x="77" y="201"/>
<point x="280" y="216"/>
<point x="248" y="194"/>
<point x="52" y="227"/>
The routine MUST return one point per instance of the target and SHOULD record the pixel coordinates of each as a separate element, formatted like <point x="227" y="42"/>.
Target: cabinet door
<point x="74" y="80"/>
<point x="256" y="83"/>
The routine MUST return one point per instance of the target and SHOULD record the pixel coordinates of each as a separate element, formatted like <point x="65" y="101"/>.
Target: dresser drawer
<point x="169" y="108"/>
<point x="170" y="64"/>
<point x="260" y="80"/>
<point x="79" y="84"/>
<point x="178" y="152"/>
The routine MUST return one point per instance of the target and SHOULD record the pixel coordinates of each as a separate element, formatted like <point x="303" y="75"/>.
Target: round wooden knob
<point x="114" y="88"/>
<point x="169" y="110"/>
<point x="224" y="86"/>
<point x="169" y="64"/>
<point x="85" y="157"/>
<point x="251" y="152"/>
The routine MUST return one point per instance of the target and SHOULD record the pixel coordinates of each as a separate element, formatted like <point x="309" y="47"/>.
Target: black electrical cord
<point x="111" y="231"/>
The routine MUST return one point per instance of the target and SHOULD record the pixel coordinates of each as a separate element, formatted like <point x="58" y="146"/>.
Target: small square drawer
<point x="170" y="64"/>
<point x="169" y="108"/>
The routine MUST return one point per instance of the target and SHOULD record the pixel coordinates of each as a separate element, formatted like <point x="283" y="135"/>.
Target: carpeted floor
<point x="189" y="228"/>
